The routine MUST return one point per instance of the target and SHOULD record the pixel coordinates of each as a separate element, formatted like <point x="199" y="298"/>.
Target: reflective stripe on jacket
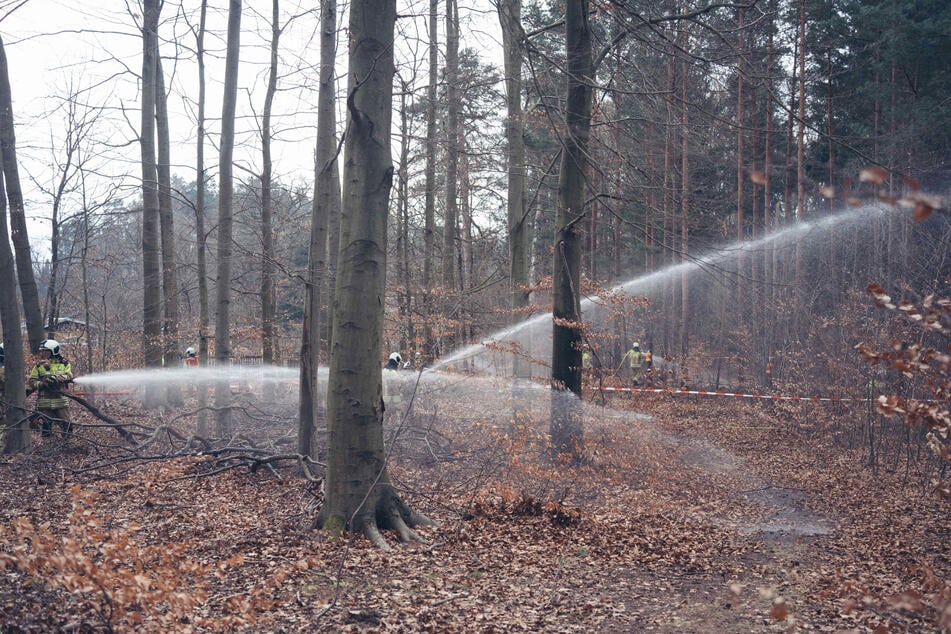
<point x="50" y="395"/>
<point x="635" y="357"/>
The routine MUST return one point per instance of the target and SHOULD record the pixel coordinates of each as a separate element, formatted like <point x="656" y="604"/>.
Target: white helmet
<point x="396" y="357"/>
<point x="635" y="345"/>
<point x="50" y="344"/>
<point x="189" y="352"/>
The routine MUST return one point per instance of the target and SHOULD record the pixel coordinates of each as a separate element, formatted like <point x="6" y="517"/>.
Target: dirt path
<point x="764" y="589"/>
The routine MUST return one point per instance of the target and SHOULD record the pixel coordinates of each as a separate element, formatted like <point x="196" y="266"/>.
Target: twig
<point x="95" y="411"/>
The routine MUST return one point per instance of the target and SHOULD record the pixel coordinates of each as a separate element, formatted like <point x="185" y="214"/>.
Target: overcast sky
<point x="92" y="48"/>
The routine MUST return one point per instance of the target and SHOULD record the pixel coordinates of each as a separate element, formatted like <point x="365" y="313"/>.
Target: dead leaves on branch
<point x="919" y="359"/>
<point x="921" y="204"/>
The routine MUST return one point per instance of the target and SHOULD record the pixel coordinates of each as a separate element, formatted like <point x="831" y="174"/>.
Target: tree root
<point x="385" y="511"/>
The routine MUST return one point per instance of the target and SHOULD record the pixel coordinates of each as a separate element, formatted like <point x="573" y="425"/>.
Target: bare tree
<point x="510" y="17"/>
<point x="326" y="205"/>
<point x="68" y="167"/>
<point x="201" y="237"/>
<point x="359" y="495"/>
<point x="20" y="237"/>
<point x="226" y="218"/>
<point x="268" y="299"/>
<point x="566" y="431"/>
<point x="151" y="253"/>
<point x="450" y="242"/>
<point x="429" y="226"/>
<point x="16" y="425"/>
<point x="167" y="229"/>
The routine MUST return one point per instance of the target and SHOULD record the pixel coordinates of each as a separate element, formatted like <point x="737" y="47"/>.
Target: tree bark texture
<point x="510" y="17"/>
<point x="268" y="298"/>
<point x="151" y="251"/>
<point x="358" y="493"/>
<point x="450" y="243"/>
<point x="566" y="432"/>
<point x="226" y="219"/>
<point x="326" y="205"/>
<point x="16" y="437"/>
<point x="201" y="237"/>
<point x="19" y="235"/>
<point x="167" y="232"/>
<point x="429" y="222"/>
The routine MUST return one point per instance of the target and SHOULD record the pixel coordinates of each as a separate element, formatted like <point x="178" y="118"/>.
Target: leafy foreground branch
<point x="928" y="357"/>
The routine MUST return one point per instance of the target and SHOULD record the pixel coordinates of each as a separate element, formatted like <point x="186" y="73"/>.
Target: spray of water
<point x="491" y="354"/>
<point x="190" y="376"/>
<point x="491" y="357"/>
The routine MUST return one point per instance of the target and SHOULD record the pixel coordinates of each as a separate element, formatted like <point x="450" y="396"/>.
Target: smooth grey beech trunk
<point x="358" y="493"/>
<point x="326" y="206"/>
<point x="19" y="235"/>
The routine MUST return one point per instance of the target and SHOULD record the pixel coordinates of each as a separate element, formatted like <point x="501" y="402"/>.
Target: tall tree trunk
<point x="591" y="213"/>
<point x="650" y="204"/>
<point x="769" y="254"/>
<point x="84" y="274"/>
<point x="668" y="236"/>
<point x="740" y="133"/>
<point x="466" y="256"/>
<point x="404" y="281"/>
<point x="429" y="223"/>
<point x="685" y="196"/>
<point x="226" y="219"/>
<point x="566" y="429"/>
<point x="19" y="237"/>
<point x="510" y="18"/>
<point x="359" y="495"/>
<point x="268" y="299"/>
<point x="450" y="241"/>
<point x="151" y="250"/>
<point x="16" y="424"/>
<point x="201" y="237"/>
<point x="326" y="206"/>
<point x="167" y="231"/>
<point x="801" y="150"/>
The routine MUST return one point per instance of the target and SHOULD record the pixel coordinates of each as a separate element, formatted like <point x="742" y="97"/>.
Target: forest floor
<point x="692" y="515"/>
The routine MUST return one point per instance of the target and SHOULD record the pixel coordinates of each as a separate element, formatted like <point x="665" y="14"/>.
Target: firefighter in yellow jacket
<point x="635" y="358"/>
<point x="49" y="377"/>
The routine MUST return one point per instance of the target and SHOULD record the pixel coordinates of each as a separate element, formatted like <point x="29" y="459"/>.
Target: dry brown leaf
<point x="779" y="611"/>
<point x="874" y="175"/>
<point x="922" y="211"/>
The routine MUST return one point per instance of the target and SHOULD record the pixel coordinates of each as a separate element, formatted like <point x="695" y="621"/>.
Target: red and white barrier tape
<point x="768" y="397"/>
<point x="672" y="391"/>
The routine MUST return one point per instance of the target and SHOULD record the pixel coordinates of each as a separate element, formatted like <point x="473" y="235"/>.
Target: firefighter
<point x="191" y="359"/>
<point x="648" y="368"/>
<point x="49" y="377"/>
<point x="586" y="364"/>
<point x="635" y="358"/>
<point x="392" y="399"/>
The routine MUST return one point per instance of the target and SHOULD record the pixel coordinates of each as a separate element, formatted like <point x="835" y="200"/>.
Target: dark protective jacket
<point x="49" y="378"/>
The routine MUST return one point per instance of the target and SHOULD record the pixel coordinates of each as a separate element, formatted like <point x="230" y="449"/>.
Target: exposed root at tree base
<point x="385" y="511"/>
